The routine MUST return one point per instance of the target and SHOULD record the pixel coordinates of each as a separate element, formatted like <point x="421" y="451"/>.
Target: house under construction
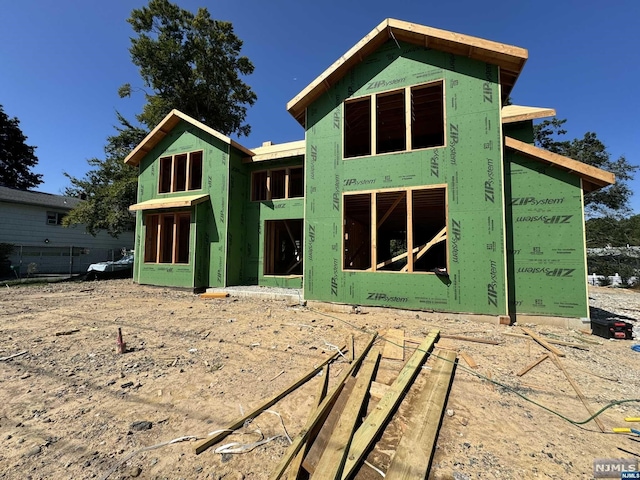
<point x="415" y="188"/>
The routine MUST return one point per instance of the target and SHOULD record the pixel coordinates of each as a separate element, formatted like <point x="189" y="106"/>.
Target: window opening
<point x="390" y="123"/>
<point x="195" y="171"/>
<point x="167" y="237"/>
<point x="403" y="230"/>
<point x="165" y="175"/>
<point x="277" y="184"/>
<point x="427" y="111"/>
<point x="278" y="180"/>
<point x="296" y="182"/>
<point x="357" y="128"/>
<point x="179" y="173"/>
<point x="283" y="247"/>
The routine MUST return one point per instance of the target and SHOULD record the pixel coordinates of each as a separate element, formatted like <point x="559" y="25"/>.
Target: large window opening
<point x="179" y="173"/>
<point x="277" y="184"/>
<point x="283" y="247"/>
<point x="167" y="237"/>
<point x="407" y="119"/>
<point x="401" y="230"/>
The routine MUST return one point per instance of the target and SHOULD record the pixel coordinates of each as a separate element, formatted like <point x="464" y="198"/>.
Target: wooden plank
<point x="214" y="295"/>
<point x="394" y="345"/>
<point x="334" y="456"/>
<point x="558" y="364"/>
<point x="470" y="339"/>
<point x="234" y="425"/>
<point x="541" y="341"/>
<point x="440" y="237"/>
<point x="294" y="468"/>
<point x="415" y="450"/>
<point x="319" y="415"/>
<point x="374" y="230"/>
<point x="536" y="362"/>
<point x="470" y="361"/>
<point x="378" y="390"/>
<point x="551" y="341"/>
<point x="409" y="219"/>
<point x="378" y="418"/>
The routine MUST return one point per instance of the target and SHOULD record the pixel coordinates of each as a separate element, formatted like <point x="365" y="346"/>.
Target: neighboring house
<point x="414" y="188"/>
<point x="32" y="221"/>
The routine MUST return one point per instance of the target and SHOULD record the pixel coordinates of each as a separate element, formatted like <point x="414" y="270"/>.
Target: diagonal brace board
<point x="225" y="431"/>
<point x="441" y="236"/>
<point x="415" y="450"/>
<point x="326" y="404"/>
<point x="541" y="341"/>
<point x="378" y="418"/>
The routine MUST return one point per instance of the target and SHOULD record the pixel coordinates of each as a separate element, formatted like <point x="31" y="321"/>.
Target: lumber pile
<point x="350" y="417"/>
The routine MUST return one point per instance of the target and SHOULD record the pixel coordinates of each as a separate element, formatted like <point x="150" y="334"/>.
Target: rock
<point x="33" y="451"/>
<point x="133" y="472"/>
<point x="141" y="425"/>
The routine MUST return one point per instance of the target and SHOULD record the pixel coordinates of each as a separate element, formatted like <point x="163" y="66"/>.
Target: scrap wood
<point x="2" y="359"/>
<point x="378" y="390"/>
<point x="558" y="364"/>
<point x="551" y="341"/>
<point x="207" y="295"/>
<point x="332" y="461"/>
<point x="469" y="361"/>
<point x="394" y="344"/>
<point x="536" y="362"/>
<point x="68" y="332"/>
<point x="542" y="342"/>
<point x="415" y="450"/>
<point x="470" y="339"/>
<point x="263" y="406"/>
<point x="318" y="416"/>
<point x="296" y="463"/>
<point x="378" y="418"/>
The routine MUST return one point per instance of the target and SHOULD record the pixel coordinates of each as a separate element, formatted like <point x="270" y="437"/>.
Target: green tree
<point x="613" y="199"/>
<point x="16" y="157"/>
<point x="189" y="62"/>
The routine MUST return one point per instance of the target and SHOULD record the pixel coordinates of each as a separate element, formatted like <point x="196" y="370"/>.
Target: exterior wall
<point x="545" y="225"/>
<point x="255" y="215"/>
<point x="470" y="165"/>
<point x="208" y="220"/>
<point x="68" y="250"/>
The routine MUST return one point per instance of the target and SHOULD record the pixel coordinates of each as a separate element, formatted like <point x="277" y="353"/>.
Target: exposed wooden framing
<point x="334" y="456"/>
<point x="378" y="418"/>
<point x="533" y="364"/>
<point x="409" y="121"/>
<point x="583" y="399"/>
<point x="374" y="125"/>
<point x="277" y="151"/>
<point x="593" y="178"/>
<point x="402" y="196"/>
<point x="520" y="113"/>
<point x="174" y="232"/>
<point x="159" y="240"/>
<point x="374" y="231"/>
<point x="324" y="407"/>
<point x="171" y="202"/>
<point x="409" y="230"/>
<point x="394" y="344"/>
<point x="268" y="185"/>
<point x="541" y="341"/>
<point x="415" y="450"/>
<point x="234" y="425"/>
<point x="294" y="468"/>
<point x="441" y="236"/>
<point x="396" y="258"/>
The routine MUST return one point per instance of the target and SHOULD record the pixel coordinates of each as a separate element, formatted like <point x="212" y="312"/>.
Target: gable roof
<point x="27" y="197"/>
<point x="167" y="124"/>
<point x="592" y="178"/>
<point x="509" y="58"/>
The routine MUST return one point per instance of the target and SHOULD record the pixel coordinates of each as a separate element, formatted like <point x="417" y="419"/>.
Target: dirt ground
<point x="71" y="407"/>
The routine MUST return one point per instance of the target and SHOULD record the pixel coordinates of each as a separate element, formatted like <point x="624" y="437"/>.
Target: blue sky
<point x="61" y="64"/>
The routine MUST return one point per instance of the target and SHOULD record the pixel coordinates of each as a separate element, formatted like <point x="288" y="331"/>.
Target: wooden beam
<point x="470" y="361"/>
<point x="374" y="232"/>
<point x="394" y="344"/>
<point x="536" y="362"/>
<point x="415" y="450"/>
<point x="550" y="340"/>
<point x="440" y="236"/>
<point x="541" y="341"/>
<point x="378" y="418"/>
<point x="470" y="339"/>
<point x="234" y="425"/>
<point x="334" y="456"/>
<point x="391" y="208"/>
<point x="324" y="407"/>
<point x="583" y="399"/>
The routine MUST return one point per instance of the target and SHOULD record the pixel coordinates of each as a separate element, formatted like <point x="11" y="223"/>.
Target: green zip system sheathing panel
<point x="469" y="165"/>
<point x="256" y="213"/>
<point x="545" y="240"/>
<point x="207" y="243"/>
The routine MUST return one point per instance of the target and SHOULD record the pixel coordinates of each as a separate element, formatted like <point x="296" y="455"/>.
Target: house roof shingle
<point x="28" y="197"/>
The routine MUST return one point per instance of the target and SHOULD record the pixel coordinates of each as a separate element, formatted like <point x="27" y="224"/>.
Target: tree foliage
<point x="110" y="187"/>
<point x="190" y="62"/>
<point x="16" y="157"/>
<point x="590" y="150"/>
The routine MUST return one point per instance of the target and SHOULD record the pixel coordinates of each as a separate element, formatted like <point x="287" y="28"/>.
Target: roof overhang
<point x="278" y="151"/>
<point x="592" y="178"/>
<point x="170" y="202"/>
<point x="173" y="118"/>
<point x="509" y="58"/>
<point x="520" y="113"/>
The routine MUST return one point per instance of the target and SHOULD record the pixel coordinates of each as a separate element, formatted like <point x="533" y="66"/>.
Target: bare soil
<point x="71" y="406"/>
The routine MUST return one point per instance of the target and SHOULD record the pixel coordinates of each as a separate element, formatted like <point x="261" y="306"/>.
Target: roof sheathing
<point x="509" y="58"/>
<point x="278" y="151"/>
<point x="167" y="124"/>
<point x="520" y="113"/>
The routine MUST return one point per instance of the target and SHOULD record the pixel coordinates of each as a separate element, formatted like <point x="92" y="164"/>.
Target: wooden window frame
<point x="190" y="183"/>
<point x="156" y="238"/>
<point x="377" y="219"/>
<point x="256" y="189"/>
<point x="276" y="233"/>
<point x="408" y="119"/>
